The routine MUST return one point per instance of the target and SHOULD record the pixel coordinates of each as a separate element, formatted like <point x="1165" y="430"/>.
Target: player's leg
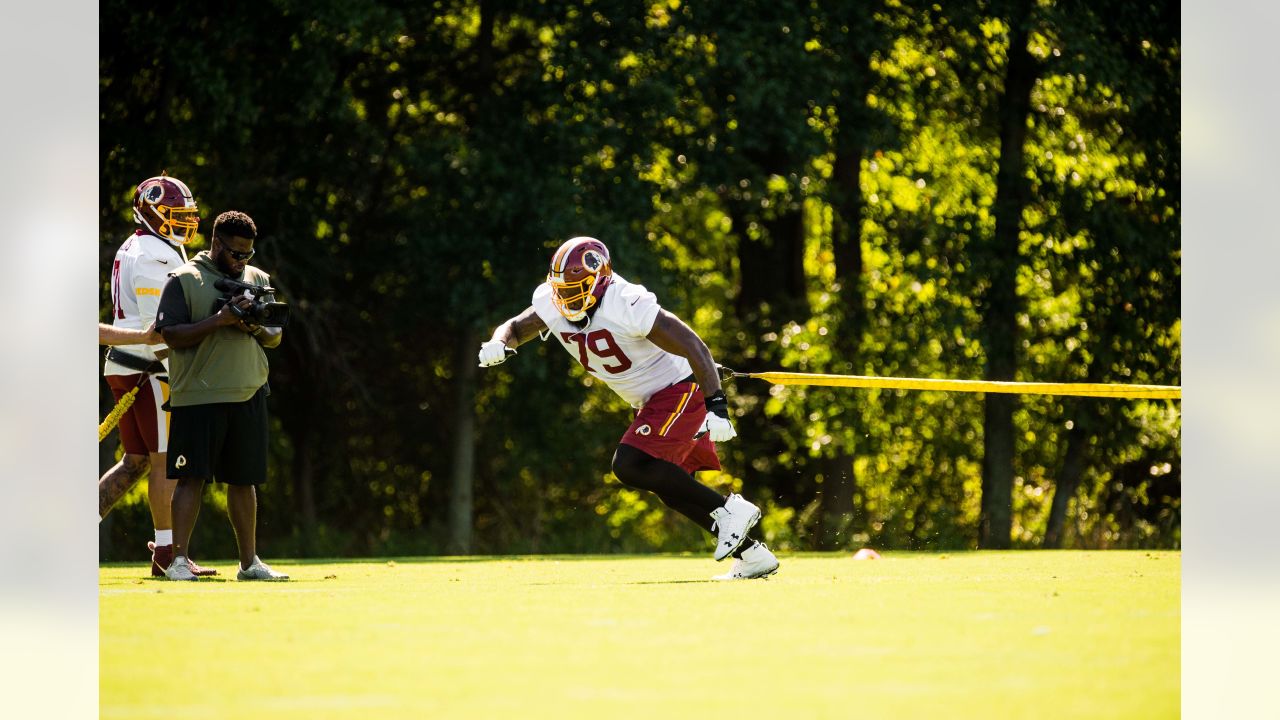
<point x="160" y="498"/>
<point x="675" y="487"/>
<point x="155" y="420"/>
<point x="153" y="424"/>
<point x="752" y="559"/>
<point x="122" y="476"/>
<point x="117" y="481"/>
<point x="664" y="452"/>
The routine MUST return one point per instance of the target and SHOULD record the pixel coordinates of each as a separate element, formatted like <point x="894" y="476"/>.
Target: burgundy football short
<point x="665" y="426"/>
<point x="144" y="428"/>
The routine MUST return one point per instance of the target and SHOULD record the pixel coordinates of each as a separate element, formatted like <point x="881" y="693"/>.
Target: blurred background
<point x="895" y="188"/>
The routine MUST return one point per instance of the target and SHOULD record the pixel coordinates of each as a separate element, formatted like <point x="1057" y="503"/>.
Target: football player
<point x="647" y="355"/>
<point x="167" y="218"/>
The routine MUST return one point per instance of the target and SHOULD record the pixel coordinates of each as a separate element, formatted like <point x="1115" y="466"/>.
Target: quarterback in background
<point x="654" y="361"/>
<point x="167" y="218"/>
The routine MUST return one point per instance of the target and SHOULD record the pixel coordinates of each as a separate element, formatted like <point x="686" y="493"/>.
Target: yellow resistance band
<point x="117" y="412"/>
<point x="1172" y="392"/>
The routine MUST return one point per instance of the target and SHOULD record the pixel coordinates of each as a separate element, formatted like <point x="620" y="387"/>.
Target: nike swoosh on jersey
<point x="633" y="302"/>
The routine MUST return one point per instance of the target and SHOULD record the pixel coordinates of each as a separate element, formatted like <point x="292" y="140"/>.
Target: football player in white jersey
<point x="654" y="361"/>
<point x="167" y="217"/>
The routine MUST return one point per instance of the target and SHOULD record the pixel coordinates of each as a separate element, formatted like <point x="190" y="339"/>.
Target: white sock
<point x="164" y="537"/>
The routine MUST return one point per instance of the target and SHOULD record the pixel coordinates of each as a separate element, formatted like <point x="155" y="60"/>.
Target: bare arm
<point x="671" y="334"/>
<point x="111" y="335"/>
<point x="267" y="337"/>
<point x="190" y="334"/>
<point x="520" y="329"/>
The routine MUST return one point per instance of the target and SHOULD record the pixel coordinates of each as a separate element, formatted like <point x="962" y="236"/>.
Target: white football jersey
<point x="614" y="346"/>
<point x="141" y="267"/>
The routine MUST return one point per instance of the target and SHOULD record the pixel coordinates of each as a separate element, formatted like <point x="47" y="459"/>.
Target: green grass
<point x="983" y="635"/>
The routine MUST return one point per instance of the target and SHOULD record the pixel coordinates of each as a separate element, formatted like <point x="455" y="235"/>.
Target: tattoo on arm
<point x="525" y="327"/>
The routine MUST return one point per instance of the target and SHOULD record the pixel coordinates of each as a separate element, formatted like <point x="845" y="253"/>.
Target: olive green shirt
<point x="228" y="365"/>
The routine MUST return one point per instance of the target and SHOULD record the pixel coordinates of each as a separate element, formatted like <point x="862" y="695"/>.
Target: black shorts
<point x="223" y="442"/>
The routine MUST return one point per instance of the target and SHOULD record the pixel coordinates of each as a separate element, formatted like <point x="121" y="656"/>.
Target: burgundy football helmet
<point x="164" y="206"/>
<point x="580" y="273"/>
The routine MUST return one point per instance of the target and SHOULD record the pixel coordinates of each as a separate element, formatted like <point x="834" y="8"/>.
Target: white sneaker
<point x="179" y="569"/>
<point x="260" y="571"/>
<point x="756" y="562"/>
<point x="732" y="522"/>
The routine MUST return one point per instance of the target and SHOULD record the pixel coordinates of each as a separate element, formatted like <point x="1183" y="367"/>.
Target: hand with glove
<point x="717" y="421"/>
<point x="494" y="352"/>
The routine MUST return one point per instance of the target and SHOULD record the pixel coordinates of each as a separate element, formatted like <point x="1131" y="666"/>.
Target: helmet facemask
<point x="573" y="299"/>
<point x="179" y="223"/>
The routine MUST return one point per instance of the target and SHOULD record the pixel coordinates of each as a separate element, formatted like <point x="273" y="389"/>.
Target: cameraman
<point x="218" y="391"/>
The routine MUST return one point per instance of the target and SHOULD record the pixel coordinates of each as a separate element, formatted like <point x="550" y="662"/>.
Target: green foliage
<point x="412" y="166"/>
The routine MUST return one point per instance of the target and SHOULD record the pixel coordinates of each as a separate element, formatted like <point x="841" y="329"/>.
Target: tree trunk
<point x="1068" y="483"/>
<point x="772" y="269"/>
<point x="846" y="241"/>
<point x="462" y="480"/>
<point x="837" y="501"/>
<point x="771" y="293"/>
<point x="1000" y="309"/>
<point x="1065" y="489"/>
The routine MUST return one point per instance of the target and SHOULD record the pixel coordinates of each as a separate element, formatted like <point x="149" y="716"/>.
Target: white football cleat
<point x="179" y="569"/>
<point x="732" y="522"/>
<point x="260" y="571"/>
<point x="756" y="562"/>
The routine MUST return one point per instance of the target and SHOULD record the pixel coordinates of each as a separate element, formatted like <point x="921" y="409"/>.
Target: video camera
<point x="261" y="312"/>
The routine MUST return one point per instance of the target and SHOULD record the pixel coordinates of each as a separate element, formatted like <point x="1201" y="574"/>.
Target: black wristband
<point x="718" y="404"/>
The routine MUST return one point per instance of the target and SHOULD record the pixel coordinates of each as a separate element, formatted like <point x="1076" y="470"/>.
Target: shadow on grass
<point x="668" y="582"/>
<point x="430" y="559"/>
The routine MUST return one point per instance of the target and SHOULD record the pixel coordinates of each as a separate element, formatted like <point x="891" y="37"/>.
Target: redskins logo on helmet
<point x="164" y="206"/>
<point x="580" y="273"/>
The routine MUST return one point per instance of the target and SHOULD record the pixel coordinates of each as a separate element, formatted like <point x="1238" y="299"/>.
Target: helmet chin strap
<point x="586" y="326"/>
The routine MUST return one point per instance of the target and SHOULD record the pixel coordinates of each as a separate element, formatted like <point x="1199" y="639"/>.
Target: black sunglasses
<point x="240" y="255"/>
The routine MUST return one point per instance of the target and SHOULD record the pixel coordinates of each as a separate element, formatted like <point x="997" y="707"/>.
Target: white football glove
<point x="720" y="429"/>
<point x="493" y="352"/>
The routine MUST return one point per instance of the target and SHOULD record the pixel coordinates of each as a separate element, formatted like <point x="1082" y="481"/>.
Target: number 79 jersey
<point x="614" y="346"/>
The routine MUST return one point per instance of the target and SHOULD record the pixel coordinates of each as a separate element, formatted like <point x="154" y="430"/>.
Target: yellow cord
<point x="117" y="412"/>
<point x="1172" y="392"/>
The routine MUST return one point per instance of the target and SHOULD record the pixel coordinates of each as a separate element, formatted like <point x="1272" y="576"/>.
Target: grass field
<point x="982" y="635"/>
